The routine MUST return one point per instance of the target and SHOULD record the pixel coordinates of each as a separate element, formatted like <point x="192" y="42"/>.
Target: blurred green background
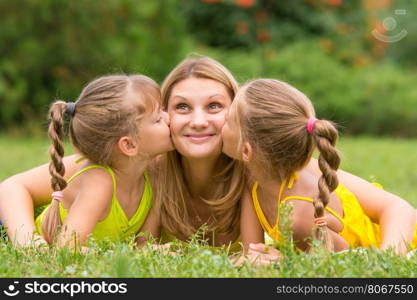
<point x="333" y="50"/>
<point x="355" y="59"/>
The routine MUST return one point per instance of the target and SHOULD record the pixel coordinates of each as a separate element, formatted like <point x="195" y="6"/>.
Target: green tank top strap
<point x="145" y="173"/>
<point x="106" y="168"/>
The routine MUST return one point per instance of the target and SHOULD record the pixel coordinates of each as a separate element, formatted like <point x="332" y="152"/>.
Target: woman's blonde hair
<point x="273" y="116"/>
<point x="172" y="193"/>
<point x="105" y="111"/>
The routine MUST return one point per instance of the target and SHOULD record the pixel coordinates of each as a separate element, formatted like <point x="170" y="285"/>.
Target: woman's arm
<point x="19" y="195"/>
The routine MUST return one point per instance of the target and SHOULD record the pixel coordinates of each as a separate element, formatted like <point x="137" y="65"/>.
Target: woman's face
<point x="197" y="109"/>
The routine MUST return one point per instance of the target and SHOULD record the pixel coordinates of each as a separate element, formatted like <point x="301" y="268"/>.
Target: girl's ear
<point x="247" y="153"/>
<point x="127" y="146"/>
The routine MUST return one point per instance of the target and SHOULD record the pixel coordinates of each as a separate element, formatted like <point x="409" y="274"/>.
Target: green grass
<point x="391" y="162"/>
<point x="121" y="260"/>
<point x="18" y="154"/>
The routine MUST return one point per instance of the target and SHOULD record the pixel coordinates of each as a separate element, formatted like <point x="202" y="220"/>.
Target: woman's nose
<point x="199" y="119"/>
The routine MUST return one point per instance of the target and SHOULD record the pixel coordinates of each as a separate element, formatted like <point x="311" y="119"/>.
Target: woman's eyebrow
<point x="179" y="96"/>
<point x="217" y="95"/>
<point x="209" y="97"/>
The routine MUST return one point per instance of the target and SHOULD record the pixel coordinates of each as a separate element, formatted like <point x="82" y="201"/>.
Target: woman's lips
<point x="198" y="138"/>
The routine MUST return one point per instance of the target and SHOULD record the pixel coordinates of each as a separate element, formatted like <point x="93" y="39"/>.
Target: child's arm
<point x="396" y="216"/>
<point x="252" y="237"/>
<point x="251" y="230"/>
<point x="151" y="228"/>
<point x="91" y="205"/>
<point x="19" y="195"/>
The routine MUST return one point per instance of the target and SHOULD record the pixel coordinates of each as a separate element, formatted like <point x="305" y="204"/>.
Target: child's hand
<point x="39" y="242"/>
<point x="86" y="250"/>
<point x="261" y="254"/>
<point x="258" y="255"/>
<point x="164" y="248"/>
<point x="412" y="253"/>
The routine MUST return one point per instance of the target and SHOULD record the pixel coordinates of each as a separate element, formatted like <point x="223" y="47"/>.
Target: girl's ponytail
<point x="52" y="219"/>
<point x="325" y="136"/>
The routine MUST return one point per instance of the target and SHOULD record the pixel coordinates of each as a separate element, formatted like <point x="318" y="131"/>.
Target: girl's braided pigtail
<point x="52" y="219"/>
<point x="325" y="136"/>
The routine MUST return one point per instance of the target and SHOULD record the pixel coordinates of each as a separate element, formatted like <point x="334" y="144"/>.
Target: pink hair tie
<point x="58" y="196"/>
<point x="320" y="221"/>
<point x="310" y="124"/>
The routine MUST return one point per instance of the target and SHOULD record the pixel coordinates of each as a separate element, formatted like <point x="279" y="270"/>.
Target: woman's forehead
<point x="199" y="87"/>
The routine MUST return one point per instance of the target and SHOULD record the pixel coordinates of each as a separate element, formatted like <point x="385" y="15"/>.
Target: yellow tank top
<point x="116" y="226"/>
<point x="358" y="229"/>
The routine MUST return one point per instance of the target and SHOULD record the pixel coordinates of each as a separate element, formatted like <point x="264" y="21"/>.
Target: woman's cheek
<point x="220" y="119"/>
<point x="175" y="122"/>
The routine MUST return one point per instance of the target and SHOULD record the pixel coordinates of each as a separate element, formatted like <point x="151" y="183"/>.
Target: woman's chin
<point x="196" y="152"/>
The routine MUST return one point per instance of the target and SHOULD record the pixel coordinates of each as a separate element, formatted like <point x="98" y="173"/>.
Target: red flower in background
<point x="361" y="61"/>
<point x="313" y="2"/>
<point x="245" y="3"/>
<point x="261" y="17"/>
<point x="263" y="36"/>
<point x="211" y="1"/>
<point x="379" y="47"/>
<point x="334" y="2"/>
<point x="326" y="45"/>
<point x="377" y="4"/>
<point x="241" y="27"/>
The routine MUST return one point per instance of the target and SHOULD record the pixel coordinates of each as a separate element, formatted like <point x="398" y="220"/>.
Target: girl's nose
<point x="165" y="116"/>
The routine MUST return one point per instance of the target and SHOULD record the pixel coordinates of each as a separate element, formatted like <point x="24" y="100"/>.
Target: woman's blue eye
<point x="181" y="106"/>
<point x="215" y="106"/>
